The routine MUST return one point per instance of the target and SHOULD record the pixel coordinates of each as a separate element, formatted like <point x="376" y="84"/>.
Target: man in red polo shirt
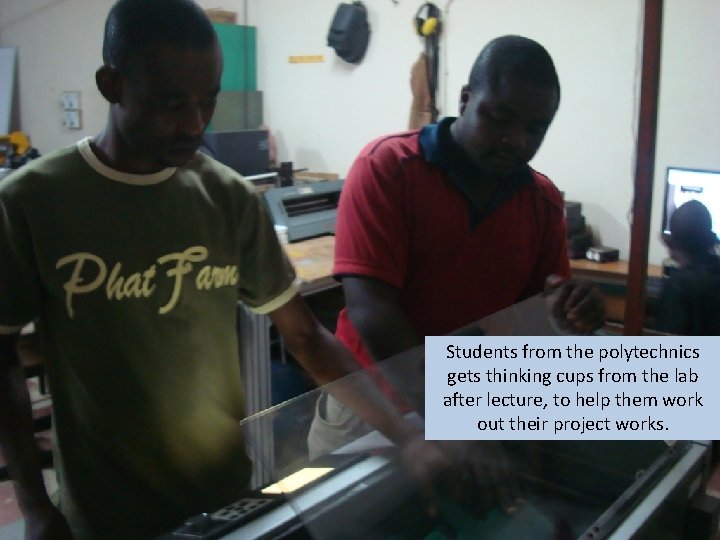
<point x="442" y="226"/>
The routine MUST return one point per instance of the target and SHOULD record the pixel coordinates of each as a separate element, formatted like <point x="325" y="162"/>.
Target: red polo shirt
<point x="404" y="218"/>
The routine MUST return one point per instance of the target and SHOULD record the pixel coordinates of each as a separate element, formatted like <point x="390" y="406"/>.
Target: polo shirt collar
<point x="440" y="149"/>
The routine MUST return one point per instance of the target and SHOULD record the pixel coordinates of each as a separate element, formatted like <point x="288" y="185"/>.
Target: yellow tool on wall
<point x="13" y="147"/>
<point x="424" y="72"/>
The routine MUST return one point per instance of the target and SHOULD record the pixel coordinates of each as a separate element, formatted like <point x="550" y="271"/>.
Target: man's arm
<point x="327" y="360"/>
<point x="16" y="429"/>
<point x="20" y="450"/>
<point x="385" y="330"/>
<point x="375" y="312"/>
<point x="577" y="305"/>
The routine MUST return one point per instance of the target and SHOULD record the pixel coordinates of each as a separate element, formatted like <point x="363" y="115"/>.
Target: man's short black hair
<point x="516" y="56"/>
<point x="691" y="229"/>
<point x="133" y="26"/>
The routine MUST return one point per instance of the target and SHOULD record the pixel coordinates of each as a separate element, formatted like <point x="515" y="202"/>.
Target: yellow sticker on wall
<point x="307" y="59"/>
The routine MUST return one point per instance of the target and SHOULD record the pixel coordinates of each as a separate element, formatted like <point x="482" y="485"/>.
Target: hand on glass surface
<point x="576" y="306"/>
<point x="475" y="473"/>
<point x="481" y="475"/>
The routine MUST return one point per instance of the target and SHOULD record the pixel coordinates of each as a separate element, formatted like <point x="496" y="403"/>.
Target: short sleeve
<point x="267" y="278"/>
<point x="19" y="283"/>
<point x="371" y="237"/>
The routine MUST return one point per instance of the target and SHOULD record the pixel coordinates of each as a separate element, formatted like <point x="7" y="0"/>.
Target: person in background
<point x="690" y="297"/>
<point x="442" y="226"/>
<point x="134" y="250"/>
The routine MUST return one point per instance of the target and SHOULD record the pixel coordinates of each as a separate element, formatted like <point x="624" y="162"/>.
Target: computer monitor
<point x="247" y="151"/>
<point x="682" y="185"/>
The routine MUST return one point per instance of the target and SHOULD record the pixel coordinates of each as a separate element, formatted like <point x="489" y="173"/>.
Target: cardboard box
<point x="220" y="16"/>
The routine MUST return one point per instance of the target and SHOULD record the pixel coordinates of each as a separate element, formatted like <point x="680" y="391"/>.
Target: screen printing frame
<point x="670" y="475"/>
<point x="353" y="491"/>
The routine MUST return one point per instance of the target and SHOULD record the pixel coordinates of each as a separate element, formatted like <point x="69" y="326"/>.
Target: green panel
<point x="238" y="47"/>
<point x="237" y="110"/>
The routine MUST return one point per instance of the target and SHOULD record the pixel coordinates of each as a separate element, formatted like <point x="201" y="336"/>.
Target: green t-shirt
<point x="135" y="280"/>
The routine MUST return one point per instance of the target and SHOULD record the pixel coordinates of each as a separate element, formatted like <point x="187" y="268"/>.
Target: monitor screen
<point x="682" y="185"/>
<point x="247" y="151"/>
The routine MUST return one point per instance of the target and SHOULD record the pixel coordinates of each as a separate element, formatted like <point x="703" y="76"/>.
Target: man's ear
<point x="464" y="98"/>
<point x="109" y="83"/>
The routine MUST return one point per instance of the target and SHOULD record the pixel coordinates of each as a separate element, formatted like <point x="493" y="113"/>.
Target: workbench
<point x="313" y="260"/>
<point x="617" y="270"/>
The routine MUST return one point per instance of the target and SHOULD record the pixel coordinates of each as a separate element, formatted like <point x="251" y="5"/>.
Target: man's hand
<point x="576" y="306"/>
<point x="470" y="472"/>
<point x="425" y="462"/>
<point x="423" y="459"/>
<point x="47" y="524"/>
<point x="481" y="475"/>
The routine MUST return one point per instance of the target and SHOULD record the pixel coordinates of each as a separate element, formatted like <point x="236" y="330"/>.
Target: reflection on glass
<point x="296" y="480"/>
<point x="366" y="488"/>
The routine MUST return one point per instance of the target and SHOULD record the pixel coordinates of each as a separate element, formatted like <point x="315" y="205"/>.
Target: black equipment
<point x="349" y="32"/>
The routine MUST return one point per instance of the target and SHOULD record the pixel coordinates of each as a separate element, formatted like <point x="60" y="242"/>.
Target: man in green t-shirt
<point x="133" y="250"/>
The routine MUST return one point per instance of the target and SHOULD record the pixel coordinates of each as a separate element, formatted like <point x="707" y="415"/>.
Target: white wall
<point x="58" y="49"/>
<point x="322" y="114"/>
<point x="689" y="118"/>
<point x="589" y="147"/>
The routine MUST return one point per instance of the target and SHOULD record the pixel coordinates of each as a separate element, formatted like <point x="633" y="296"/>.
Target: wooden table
<point x="313" y="260"/>
<point x="612" y="278"/>
<point x="617" y="270"/>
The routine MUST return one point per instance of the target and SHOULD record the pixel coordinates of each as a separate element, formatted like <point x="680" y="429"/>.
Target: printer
<point x="307" y="210"/>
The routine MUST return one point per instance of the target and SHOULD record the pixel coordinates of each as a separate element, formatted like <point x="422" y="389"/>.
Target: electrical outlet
<point x="70" y="100"/>
<point x="71" y="120"/>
